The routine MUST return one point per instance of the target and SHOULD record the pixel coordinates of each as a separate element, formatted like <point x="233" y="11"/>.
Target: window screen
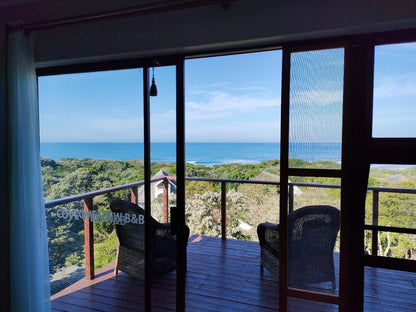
<point x="316" y="94"/>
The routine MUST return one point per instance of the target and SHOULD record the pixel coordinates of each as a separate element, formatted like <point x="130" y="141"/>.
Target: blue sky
<point x="228" y="99"/>
<point x="395" y="91"/>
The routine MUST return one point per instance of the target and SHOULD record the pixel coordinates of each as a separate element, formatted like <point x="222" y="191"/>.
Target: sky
<point x="394" y="111"/>
<point x="232" y="98"/>
<point x="228" y="99"/>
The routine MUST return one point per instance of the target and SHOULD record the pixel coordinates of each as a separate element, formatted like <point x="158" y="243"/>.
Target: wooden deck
<point x="224" y="276"/>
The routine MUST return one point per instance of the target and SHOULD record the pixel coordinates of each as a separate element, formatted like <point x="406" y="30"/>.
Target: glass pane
<point x="391" y="199"/>
<point x="163" y="189"/>
<point x="66" y="242"/>
<point x="316" y="95"/>
<point x="394" y="107"/>
<point x="86" y="121"/>
<point x="232" y="132"/>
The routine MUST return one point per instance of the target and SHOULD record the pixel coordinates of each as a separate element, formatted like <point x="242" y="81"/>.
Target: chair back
<point x="130" y="235"/>
<point x="312" y="234"/>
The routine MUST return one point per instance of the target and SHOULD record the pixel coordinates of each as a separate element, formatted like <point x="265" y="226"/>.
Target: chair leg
<point x="116" y="264"/>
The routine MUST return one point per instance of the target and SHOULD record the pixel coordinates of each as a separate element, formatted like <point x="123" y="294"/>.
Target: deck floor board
<point x="224" y="276"/>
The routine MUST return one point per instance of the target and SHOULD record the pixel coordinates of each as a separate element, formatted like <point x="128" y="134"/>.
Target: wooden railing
<point x="88" y="199"/>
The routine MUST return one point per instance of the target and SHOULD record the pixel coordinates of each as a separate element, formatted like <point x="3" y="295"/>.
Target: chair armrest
<point x="268" y="232"/>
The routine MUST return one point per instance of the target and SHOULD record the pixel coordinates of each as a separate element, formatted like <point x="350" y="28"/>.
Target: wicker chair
<point x="130" y="251"/>
<point x="312" y="234"/>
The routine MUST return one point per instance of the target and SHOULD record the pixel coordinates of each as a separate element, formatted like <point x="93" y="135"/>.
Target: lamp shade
<point x="153" y="88"/>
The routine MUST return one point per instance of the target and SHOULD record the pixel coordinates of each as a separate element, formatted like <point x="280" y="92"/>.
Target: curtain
<point x="29" y="264"/>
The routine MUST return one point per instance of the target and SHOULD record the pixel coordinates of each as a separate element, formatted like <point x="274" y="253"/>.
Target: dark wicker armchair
<point x="312" y="234"/>
<point x="130" y="251"/>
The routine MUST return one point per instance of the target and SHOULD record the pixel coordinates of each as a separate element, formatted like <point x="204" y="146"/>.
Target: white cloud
<point x="236" y="132"/>
<point x="317" y="97"/>
<point x="221" y="104"/>
<point x="393" y="86"/>
<point x="205" y="88"/>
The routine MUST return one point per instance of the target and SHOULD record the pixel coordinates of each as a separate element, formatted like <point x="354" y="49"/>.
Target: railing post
<point x="290" y="197"/>
<point x="89" y="240"/>
<point x="374" y="236"/>
<point x="223" y="211"/>
<point x="134" y="195"/>
<point x="165" y="199"/>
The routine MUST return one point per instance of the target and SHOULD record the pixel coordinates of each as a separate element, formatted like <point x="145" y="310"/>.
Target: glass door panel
<point x="91" y="128"/>
<point x="163" y="187"/>
<point x="232" y="132"/>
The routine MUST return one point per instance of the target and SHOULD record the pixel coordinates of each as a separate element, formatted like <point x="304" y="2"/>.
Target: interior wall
<point x="245" y="23"/>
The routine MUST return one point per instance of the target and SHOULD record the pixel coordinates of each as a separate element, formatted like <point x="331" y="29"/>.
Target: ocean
<point x="207" y="154"/>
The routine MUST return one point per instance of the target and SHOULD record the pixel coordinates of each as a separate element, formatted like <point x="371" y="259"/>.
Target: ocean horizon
<point x="207" y="154"/>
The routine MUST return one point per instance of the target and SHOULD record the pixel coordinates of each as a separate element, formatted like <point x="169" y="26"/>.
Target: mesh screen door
<point x="312" y="105"/>
<point x="316" y="90"/>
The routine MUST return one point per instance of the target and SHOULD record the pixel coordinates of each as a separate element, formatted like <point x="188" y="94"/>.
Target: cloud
<point x="220" y="104"/>
<point x="317" y="97"/>
<point x="204" y="88"/>
<point x="236" y="132"/>
<point x="393" y="86"/>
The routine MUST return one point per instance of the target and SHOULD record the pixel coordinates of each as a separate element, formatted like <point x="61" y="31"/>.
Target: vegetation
<point x="247" y="204"/>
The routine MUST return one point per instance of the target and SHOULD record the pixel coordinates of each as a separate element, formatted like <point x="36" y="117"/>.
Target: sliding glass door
<point x="110" y="153"/>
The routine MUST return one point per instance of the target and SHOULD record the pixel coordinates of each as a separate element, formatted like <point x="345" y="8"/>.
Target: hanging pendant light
<point x="153" y="88"/>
